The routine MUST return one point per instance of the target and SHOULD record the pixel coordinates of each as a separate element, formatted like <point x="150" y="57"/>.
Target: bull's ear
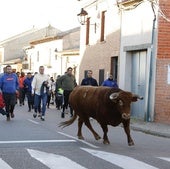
<point x="114" y="96"/>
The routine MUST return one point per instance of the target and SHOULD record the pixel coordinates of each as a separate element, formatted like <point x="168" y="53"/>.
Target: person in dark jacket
<point x="89" y="80"/>
<point x="67" y="82"/>
<point x="58" y="95"/>
<point x="110" y="82"/>
<point x="9" y="86"/>
<point x="28" y="91"/>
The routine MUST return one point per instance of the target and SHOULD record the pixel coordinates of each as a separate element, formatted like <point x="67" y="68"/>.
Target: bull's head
<point x="123" y="101"/>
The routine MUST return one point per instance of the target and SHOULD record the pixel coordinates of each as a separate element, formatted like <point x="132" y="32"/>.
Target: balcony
<point x="127" y="3"/>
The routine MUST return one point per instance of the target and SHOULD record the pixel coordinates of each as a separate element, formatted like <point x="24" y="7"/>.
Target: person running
<point x="58" y="95"/>
<point x="21" y="88"/>
<point x="9" y="86"/>
<point x="28" y="90"/>
<point x="50" y="95"/>
<point x="2" y="105"/>
<point x="40" y="87"/>
<point x="67" y="82"/>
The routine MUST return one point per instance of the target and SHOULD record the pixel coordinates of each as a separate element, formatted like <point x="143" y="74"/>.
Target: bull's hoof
<point x="81" y="137"/>
<point x="106" y="142"/>
<point x="97" y="137"/>
<point x="131" y="143"/>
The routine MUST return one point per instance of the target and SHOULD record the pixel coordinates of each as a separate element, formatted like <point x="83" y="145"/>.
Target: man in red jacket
<point x="2" y="105"/>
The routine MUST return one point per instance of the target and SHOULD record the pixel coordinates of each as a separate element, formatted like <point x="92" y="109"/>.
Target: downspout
<point x="151" y="72"/>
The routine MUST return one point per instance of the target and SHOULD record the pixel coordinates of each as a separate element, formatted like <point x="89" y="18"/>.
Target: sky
<point x="17" y="16"/>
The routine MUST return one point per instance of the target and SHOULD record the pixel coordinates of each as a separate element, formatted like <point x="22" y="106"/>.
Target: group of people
<point x="68" y="82"/>
<point x="40" y="88"/>
<point x="15" y="86"/>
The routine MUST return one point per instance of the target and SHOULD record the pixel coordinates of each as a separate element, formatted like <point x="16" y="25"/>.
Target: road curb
<point x="149" y="131"/>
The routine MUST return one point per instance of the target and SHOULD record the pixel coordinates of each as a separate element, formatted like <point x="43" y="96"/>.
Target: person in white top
<point x="40" y="87"/>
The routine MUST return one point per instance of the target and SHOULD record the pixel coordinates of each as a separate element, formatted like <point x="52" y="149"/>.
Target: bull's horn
<point x="138" y="97"/>
<point x="114" y="96"/>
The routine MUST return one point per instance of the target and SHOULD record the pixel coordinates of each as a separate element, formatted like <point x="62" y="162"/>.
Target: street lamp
<point x="82" y="16"/>
<point x="85" y="20"/>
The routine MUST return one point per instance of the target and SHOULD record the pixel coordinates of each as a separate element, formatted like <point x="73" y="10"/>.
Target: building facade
<point x="56" y="53"/>
<point x="162" y="83"/>
<point x="54" y="49"/>
<point x="13" y="49"/>
<point x="100" y="40"/>
<point x="131" y="41"/>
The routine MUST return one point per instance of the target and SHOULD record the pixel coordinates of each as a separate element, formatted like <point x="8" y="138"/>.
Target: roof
<point x="59" y="35"/>
<point x="13" y="47"/>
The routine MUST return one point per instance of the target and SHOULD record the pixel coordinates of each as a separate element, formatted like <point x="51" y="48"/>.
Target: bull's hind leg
<point x="126" y="125"/>
<point x="79" y="133"/>
<point x="105" y="130"/>
<point x="88" y="124"/>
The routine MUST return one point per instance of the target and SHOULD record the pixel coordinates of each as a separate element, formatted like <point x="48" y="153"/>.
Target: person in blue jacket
<point x="110" y="82"/>
<point x="9" y="86"/>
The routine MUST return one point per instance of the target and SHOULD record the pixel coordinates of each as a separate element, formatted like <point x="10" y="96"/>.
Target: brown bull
<point x="109" y="106"/>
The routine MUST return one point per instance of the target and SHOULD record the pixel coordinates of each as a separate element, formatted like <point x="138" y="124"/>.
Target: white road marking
<point x="165" y="158"/>
<point x="119" y="160"/>
<point x="36" y="141"/>
<point x="33" y="121"/>
<point x="54" y="161"/>
<point x="4" y="165"/>
<point x="85" y="142"/>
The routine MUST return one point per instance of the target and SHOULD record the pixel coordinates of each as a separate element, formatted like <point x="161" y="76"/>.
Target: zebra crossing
<point x="56" y="161"/>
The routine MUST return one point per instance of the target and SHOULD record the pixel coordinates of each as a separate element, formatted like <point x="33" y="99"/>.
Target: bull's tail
<point x="68" y="122"/>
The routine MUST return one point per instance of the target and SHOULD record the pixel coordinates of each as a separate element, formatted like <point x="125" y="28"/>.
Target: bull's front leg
<point x="105" y="137"/>
<point x="126" y="126"/>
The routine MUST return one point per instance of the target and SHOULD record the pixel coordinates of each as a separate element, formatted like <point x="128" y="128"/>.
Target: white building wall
<point x="136" y="29"/>
<point x="44" y="54"/>
<point x="97" y="55"/>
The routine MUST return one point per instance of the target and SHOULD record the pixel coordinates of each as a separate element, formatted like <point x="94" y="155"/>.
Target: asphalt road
<point x="28" y="143"/>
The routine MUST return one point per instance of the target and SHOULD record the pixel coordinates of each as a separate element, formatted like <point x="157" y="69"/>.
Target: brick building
<point x="162" y="95"/>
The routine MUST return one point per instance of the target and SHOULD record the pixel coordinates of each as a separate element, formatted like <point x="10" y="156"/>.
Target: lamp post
<point x="82" y="16"/>
<point x="85" y="20"/>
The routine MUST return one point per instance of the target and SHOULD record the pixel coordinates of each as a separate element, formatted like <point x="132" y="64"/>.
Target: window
<point x="38" y="56"/>
<point x="101" y="76"/>
<point x="102" y="26"/>
<point x="85" y="73"/>
<point x="1" y="57"/>
<point x="114" y="67"/>
<point x="87" y="31"/>
<point x="25" y="66"/>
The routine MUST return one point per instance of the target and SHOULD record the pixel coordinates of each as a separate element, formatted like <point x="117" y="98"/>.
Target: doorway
<point x="138" y="82"/>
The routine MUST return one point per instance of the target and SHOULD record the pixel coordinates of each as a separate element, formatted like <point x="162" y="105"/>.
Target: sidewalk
<point x="153" y="128"/>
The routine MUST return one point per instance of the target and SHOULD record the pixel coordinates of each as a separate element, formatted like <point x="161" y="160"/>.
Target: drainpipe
<point x="151" y="72"/>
